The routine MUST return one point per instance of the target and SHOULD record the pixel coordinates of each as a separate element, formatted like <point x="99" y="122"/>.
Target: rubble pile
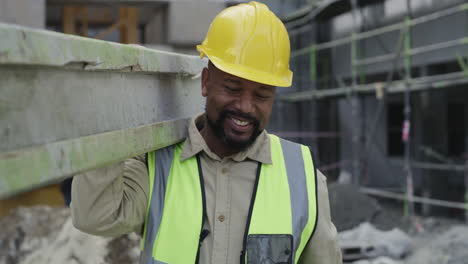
<point x="379" y="260"/>
<point x="40" y="235"/>
<point x="450" y="247"/>
<point x="405" y="241"/>
<point x="365" y="242"/>
<point x="70" y="246"/>
<point x="27" y="229"/>
<point x="358" y="207"/>
<point x="43" y="235"/>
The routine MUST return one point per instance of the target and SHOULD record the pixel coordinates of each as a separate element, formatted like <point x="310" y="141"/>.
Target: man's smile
<point x="239" y="124"/>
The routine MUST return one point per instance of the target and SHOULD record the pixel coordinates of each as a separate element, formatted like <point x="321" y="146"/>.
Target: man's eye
<point x="263" y="97"/>
<point x="232" y="89"/>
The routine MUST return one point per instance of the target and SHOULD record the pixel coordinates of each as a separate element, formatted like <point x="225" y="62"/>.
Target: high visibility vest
<point x="282" y="214"/>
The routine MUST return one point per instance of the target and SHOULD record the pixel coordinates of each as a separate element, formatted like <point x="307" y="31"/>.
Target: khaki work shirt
<point x="112" y="201"/>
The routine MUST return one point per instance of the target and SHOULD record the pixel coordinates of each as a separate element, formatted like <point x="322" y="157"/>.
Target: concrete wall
<point x="180" y="26"/>
<point x="30" y="13"/>
<point x="188" y="22"/>
<point x="156" y="28"/>
<point x="283" y="8"/>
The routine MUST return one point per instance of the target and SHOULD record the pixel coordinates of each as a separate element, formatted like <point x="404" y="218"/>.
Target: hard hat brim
<point x="281" y="80"/>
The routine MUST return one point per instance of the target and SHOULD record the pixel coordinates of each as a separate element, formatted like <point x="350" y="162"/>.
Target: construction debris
<point x="70" y="246"/>
<point x="362" y="220"/>
<point x="45" y="235"/>
<point x="430" y="247"/>
<point x="26" y="229"/>
<point x="450" y="247"/>
<point x="349" y="208"/>
<point x="358" y="207"/>
<point x="365" y="242"/>
<point x="379" y="260"/>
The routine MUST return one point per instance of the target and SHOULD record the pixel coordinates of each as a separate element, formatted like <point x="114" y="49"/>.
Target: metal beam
<point x="104" y="2"/>
<point x="414" y="51"/>
<point x="325" y="11"/>
<point x="415" y="199"/>
<point x="417" y="84"/>
<point x="70" y="104"/>
<point x="27" y="169"/>
<point x="123" y="2"/>
<point x="379" y="31"/>
<point x="25" y="46"/>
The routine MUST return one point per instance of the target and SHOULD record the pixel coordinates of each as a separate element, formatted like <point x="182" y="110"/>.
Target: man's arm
<point x="323" y="247"/>
<point x="111" y="201"/>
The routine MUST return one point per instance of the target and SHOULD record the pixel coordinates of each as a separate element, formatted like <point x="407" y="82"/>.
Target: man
<point x="230" y="192"/>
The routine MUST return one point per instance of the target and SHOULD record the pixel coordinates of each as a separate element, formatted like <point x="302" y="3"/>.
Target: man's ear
<point x="204" y="81"/>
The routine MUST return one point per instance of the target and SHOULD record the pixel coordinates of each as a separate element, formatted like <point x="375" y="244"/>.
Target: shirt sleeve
<point x="323" y="247"/>
<point x="111" y="201"/>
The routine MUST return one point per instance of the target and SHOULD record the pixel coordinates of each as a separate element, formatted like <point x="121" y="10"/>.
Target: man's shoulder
<point x="177" y="145"/>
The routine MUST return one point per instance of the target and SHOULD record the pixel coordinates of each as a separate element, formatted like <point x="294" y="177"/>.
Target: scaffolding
<point x="356" y="85"/>
<point x="415" y="84"/>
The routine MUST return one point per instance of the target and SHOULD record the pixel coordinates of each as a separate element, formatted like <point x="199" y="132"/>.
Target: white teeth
<point x="239" y="122"/>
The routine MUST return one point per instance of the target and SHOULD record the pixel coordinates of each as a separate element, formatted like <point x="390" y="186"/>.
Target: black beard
<point x="236" y="145"/>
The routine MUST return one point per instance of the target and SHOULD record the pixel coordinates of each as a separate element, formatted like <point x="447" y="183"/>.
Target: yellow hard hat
<point x="250" y="42"/>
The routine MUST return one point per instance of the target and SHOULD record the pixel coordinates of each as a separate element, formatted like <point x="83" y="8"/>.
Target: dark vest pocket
<point x="269" y="249"/>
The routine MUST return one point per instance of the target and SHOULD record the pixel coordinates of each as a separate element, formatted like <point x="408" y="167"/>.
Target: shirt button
<point x="221" y="218"/>
<point x="224" y="170"/>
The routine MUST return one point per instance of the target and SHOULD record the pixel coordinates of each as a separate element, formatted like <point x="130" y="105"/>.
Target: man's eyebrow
<point x="238" y="82"/>
<point x="268" y="88"/>
<point x="232" y="81"/>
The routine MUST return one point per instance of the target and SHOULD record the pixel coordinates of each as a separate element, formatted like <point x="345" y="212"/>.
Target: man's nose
<point x="245" y="103"/>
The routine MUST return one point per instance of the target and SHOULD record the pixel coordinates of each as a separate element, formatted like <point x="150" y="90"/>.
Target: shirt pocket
<point x="269" y="249"/>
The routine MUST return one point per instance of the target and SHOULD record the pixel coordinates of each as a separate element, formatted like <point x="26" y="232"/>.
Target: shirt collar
<point x="195" y="143"/>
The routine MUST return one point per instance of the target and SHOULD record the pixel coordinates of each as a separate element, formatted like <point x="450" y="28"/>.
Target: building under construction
<point x="379" y="92"/>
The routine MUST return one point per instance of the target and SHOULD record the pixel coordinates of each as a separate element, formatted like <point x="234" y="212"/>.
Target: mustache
<point x="226" y="112"/>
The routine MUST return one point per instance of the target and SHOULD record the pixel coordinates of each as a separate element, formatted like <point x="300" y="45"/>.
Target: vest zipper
<point x="203" y="233"/>
<point x="249" y="217"/>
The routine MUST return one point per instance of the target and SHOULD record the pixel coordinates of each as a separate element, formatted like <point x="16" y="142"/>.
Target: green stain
<point x="23" y="170"/>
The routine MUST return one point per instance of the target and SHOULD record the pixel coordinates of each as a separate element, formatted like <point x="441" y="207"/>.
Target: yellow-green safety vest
<point x="282" y="214"/>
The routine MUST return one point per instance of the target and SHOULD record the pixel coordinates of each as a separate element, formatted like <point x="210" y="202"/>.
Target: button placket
<point x="220" y="241"/>
<point x="221" y="218"/>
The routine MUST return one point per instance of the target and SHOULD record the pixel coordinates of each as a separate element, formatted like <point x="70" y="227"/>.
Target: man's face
<point x="237" y="109"/>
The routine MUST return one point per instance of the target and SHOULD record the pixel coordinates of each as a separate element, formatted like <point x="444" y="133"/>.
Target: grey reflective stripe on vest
<point x="294" y="162"/>
<point x="162" y="168"/>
